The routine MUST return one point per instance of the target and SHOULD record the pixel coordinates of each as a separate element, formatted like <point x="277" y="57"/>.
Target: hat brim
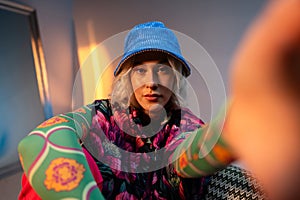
<point x="150" y="54"/>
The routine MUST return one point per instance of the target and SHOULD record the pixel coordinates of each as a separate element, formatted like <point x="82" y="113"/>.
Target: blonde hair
<point x="122" y="90"/>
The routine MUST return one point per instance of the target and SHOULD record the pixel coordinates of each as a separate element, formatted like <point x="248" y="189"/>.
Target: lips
<point x="152" y="97"/>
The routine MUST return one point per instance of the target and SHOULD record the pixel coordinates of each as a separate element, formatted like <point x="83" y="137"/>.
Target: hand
<point x="263" y="121"/>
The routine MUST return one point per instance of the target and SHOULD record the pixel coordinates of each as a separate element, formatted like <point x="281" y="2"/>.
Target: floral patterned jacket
<point x="144" y="171"/>
<point x="132" y="163"/>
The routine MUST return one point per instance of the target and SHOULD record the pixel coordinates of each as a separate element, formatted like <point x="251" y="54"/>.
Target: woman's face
<point x="152" y="83"/>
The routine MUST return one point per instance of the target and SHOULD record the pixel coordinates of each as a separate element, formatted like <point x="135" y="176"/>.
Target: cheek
<point x="137" y="93"/>
<point x="133" y="84"/>
<point x="136" y="83"/>
<point x="168" y="83"/>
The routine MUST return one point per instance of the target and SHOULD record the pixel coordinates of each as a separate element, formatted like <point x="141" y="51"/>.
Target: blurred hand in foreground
<point x="263" y="121"/>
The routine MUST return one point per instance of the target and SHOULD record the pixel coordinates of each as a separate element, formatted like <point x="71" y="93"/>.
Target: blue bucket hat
<point x="152" y="37"/>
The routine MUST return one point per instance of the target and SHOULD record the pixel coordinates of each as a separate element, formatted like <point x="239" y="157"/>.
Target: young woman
<point x="121" y="148"/>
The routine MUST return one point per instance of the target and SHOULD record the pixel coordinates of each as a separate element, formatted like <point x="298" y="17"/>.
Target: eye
<point x="139" y="70"/>
<point x="164" y="69"/>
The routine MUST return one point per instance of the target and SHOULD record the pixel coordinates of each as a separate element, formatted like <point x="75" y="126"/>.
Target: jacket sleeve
<point x="53" y="160"/>
<point x="204" y="151"/>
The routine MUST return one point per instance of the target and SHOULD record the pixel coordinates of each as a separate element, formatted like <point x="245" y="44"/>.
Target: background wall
<point x="216" y="25"/>
<point x="58" y="38"/>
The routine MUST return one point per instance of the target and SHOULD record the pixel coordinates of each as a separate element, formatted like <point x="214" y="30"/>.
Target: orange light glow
<point x="94" y="60"/>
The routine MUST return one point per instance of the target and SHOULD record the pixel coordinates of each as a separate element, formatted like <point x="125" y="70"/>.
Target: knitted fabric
<point x="152" y="36"/>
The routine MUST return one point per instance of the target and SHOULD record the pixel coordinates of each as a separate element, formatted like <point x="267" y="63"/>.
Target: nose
<point x="152" y="80"/>
<point x="152" y="85"/>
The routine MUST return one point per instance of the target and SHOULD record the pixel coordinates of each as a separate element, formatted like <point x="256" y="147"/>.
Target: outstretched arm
<point x="204" y="151"/>
<point x="53" y="159"/>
